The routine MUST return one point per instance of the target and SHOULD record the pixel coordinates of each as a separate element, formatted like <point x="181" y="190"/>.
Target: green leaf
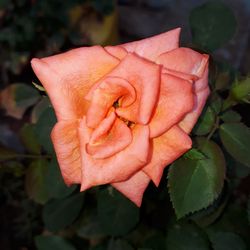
<point x="194" y="154"/>
<point x="212" y="25"/>
<point x="52" y="243"/>
<point x="89" y="226"/>
<point x="39" y="87"/>
<point x="195" y="184"/>
<point x="117" y="214"/>
<point x="241" y="91"/>
<point x="227" y="241"/>
<point x="34" y="182"/>
<point x="236" y="139"/>
<point x="233" y="219"/>
<point x="16" y="98"/>
<point x="205" y="122"/>
<point x="38" y="109"/>
<point x="60" y="213"/>
<point x="28" y="138"/>
<point x="54" y="182"/>
<point x="209" y="215"/>
<point x="231" y="116"/>
<point x="186" y="237"/>
<point x="216" y="103"/>
<point x="239" y="170"/>
<point x="43" y="128"/>
<point x="156" y="241"/>
<point x="119" y="244"/>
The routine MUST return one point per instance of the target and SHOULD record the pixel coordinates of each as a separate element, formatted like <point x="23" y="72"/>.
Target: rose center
<point x="130" y="124"/>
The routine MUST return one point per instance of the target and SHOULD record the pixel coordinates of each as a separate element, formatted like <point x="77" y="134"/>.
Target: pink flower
<point x="124" y="112"/>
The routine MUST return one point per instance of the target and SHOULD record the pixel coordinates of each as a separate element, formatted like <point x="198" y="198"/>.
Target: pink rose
<point x="124" y="112"/>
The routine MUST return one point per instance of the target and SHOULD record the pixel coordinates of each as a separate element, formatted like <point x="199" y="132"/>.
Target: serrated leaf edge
<point x="192" y="211"/>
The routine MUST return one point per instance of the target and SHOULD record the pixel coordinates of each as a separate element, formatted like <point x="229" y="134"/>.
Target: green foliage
<point x="194" y="154"/>
<point x="156" y="241"/>
<point x="25" y="95"/>
<point x="210" y="214"/>
<point x="89" y="226"/>
<point x="60" y="213"/>
<point x="227" y="241"/>
<point x="35" y="185"/>
<point x="236" y="139"/>
<point x="231" y="116"/>
<point x="200" y="181"/>
<point x="54" y="182"/>
<point x="186" y="237"/>
<point x="207" y="120"/>
<point x="116" y="213"/>
<point x="39" y="87"/>
<point x="43" y="129"/>
<point x="29" y="140"/>
<point x="53" y="243"/>
<point x="241" y="90"/>
<point x="212" y="25"/>
<point x="16" y="98"/>
<point x="119" y="244"/>
<point x="38" y="109"/>
<point x="39" y="211"/>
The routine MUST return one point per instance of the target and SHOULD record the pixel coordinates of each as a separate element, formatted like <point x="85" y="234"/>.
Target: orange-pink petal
<point x="185" y="76"/>
<point x="191" y="118"/>
<point x="166" y="149"/>
<point x="202" y="92"/>
<point x="144" y="76"/>
<point x="67" y="78"/>
<point x="184" y="60"/>
<point x="150" y="48"/>
<point x="134" y="187"/>
<point x="116" y="51"/>
<point x="118" y="167"/>
<point x="176" y="99"/>
<point x="104" y="94"/>
<point x="110" y="137"/>
<point x="67" y="147"/>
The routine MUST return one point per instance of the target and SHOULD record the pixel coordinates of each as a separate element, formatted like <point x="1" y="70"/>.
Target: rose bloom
<point x="124" y="112"/>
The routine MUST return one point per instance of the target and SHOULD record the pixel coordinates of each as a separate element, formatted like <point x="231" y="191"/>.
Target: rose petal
<point x="103" y="128"/>
<point x="166" y="149"/>
<point x="67" y="147"/>
<point x="150" y="48"/>
<point x="102" y="96"/>
<point x="134" y="187"/>
<point x="191" y="118"/>
<point x="116" y="51"/>
<point x="109" y="138"/>
<point x="144" y="76"/>
<point x="202" y="83"/>
<point x="184" y="60"/>
<point x="175" y="100"/>
<point x="67" y="78"/>
<point x="184" y="76"/>
<point x="118" y="167"/>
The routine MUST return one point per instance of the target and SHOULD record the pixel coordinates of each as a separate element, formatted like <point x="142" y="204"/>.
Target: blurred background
<point x="37" y="211"/>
